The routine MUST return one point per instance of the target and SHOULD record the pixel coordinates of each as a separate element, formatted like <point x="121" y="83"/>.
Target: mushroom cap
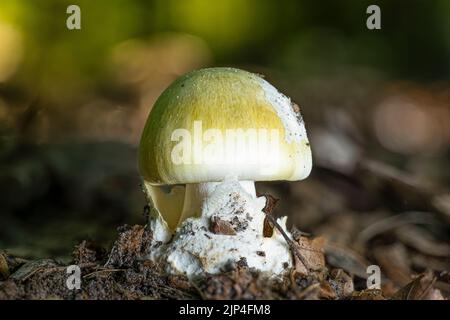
<point x="215" y="123"/>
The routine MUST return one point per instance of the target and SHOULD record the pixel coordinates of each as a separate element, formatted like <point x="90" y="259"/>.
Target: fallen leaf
<point x="326" y="291"/>
<point x="312" y="252"/>
<point x="30" y="268"/>
<point x="271" y="202"/>
<point x="421" y="288"/>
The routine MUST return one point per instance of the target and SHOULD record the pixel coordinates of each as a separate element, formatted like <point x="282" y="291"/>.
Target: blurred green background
<point x="73" y="102"/>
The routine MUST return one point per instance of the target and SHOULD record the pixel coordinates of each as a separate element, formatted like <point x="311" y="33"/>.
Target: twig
<point x="291" y="243"/>
<point x="199" y="291"/>
<point x="101" y="271"/>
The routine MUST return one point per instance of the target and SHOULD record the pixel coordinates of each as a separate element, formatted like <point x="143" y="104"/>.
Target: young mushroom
<point x="210" y="135"/>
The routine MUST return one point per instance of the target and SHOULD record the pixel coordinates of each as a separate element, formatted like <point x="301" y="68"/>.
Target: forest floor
<point x="375" y="215"/>
<point x="124" y="273"/>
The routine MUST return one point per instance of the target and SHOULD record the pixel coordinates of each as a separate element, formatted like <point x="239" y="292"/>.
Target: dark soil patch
<point x="124" y="273"/>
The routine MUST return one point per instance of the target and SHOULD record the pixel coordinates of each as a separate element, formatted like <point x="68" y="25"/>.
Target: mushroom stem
<point x="197" y="193"/>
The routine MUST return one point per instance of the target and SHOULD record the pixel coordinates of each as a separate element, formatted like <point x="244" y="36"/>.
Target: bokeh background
<point x="376" y="105"/>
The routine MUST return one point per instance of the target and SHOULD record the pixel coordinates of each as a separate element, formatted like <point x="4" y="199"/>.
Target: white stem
<point x="249" y="187"/>
<point x="196" y="194"/>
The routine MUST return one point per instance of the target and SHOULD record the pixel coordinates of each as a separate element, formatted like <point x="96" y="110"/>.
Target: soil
<point x="124" y="273"/>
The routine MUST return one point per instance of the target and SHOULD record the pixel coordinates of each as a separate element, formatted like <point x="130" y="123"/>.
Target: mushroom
<point x="210" y="135"/>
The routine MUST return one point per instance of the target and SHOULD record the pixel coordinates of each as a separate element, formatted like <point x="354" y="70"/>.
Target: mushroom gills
<point x="166" y="204"/>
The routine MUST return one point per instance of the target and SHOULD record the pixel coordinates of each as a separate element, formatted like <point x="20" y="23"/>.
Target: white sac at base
<point x="195" y="249"/>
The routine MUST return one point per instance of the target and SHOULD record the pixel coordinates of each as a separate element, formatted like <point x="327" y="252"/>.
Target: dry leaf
<point x="312" y="253"/>
<point x="421" y="288"/>
<point x="31" y="268"/>
<point x="326" y="291"/>
<point x="271" y="202"/>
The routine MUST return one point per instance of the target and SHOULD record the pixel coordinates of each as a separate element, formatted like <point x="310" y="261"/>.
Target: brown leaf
<point x="326" y="291"/>
<point x="312" y="253"/>
<point x="267" y="228"/>
<point x="310" y="293"/>
<point x="271" y="202"/>
<point x="31" y="268"/>
<point x="421" y="288"/>
<point x="219" y="226"/>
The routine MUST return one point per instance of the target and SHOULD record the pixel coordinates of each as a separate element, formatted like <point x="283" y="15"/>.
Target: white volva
<point x="196" y="250"/>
